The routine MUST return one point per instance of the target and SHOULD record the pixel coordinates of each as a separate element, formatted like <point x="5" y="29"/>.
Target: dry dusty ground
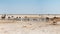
<point x="29" y="28"/>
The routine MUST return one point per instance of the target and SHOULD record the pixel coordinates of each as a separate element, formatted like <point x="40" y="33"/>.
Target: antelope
<point x="55" y="20"/>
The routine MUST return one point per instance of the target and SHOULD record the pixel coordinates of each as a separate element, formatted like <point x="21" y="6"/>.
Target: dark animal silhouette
<point x="4" y="16"/>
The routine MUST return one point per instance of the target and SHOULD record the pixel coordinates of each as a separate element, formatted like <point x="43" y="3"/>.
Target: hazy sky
<point x="30" y="6"/>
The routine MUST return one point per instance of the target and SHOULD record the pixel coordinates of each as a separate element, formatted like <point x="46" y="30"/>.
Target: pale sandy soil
<point x="29" y="28"/>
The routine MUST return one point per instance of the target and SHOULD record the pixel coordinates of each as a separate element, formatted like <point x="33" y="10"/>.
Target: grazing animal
<point x="4" y="16"/>
<point x="55" y="20"/>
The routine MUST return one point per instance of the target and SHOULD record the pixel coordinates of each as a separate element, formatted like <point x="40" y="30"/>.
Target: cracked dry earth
<point x="29" y="28"/>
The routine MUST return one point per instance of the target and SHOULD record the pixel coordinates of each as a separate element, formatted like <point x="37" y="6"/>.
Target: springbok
<point x="55" y="20"/>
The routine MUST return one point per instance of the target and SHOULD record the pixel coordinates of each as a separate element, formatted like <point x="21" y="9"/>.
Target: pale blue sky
<point x="29" y="6"/>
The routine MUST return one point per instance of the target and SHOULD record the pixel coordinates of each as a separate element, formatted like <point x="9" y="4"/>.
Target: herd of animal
<point x="54" y="20"/>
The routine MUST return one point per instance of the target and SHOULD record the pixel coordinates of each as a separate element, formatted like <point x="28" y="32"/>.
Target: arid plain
<point x="28" y="27"/>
